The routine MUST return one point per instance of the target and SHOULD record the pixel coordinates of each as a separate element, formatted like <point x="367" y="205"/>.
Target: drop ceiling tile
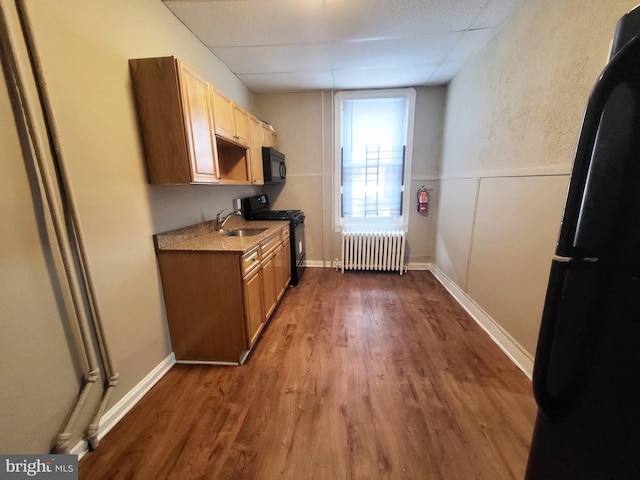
<point x="471" y="43"/>
<point x="383" y="77"/>
<point x="227" y="23"/>
<point x="371" y="19"/>
<point x="284" y="45"/>
<point x="275" y="59"/>
<point x="396" y="52"/>
<point x="287" y="82"/>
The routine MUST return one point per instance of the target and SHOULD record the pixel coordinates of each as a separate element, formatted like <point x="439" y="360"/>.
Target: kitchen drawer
<point x="250" y="260"/>
<point x="285" y="233"/>
<point x="269" y="244"/>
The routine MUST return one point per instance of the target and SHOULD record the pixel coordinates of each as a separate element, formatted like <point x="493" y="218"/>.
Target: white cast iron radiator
<point x="373" y="250"/>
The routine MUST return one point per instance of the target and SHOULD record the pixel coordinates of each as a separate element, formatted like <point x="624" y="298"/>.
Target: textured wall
<point x="513" y="117"/>
<point x="518" y="104"/>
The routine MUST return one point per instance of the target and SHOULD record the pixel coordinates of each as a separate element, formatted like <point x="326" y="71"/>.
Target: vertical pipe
<point x="376" y="249"/>
<point x="402" y="250"/>
<point x="28" y="127"/>
<point x="112" y="375"/>
<point x="368" y="251"/>
<point x="344" y="259"/>
<point x="347" y="250"/>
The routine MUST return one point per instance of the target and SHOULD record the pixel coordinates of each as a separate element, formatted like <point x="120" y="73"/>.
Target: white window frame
<point x="410" y="95"/>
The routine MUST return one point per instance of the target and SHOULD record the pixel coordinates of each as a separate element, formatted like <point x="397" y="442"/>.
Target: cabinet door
<point x="269" y="292"/>
<point x="241" y="122"/>
<point x="203" y="298"/>
<point x="286" y="249"/>
<point x="281" y="273"/>
<point x="223" y="115"/>
<point x="195" y="93"/>
<point x="255" y="150"/>
<point x="268" y="136"/>
<point x="253" y="305"/>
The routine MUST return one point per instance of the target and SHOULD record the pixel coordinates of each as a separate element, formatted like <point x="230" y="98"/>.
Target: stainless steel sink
<point x="243" y="232"/>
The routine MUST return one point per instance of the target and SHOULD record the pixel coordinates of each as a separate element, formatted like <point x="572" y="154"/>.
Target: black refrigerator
<point x="586" y="378"/>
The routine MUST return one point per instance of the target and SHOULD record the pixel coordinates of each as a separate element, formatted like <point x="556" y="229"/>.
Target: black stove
<point x="258" y="208"/>
<point x="296" y="215"/>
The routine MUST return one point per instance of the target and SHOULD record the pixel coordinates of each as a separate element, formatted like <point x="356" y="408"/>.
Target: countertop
<point x="202" y="237"/>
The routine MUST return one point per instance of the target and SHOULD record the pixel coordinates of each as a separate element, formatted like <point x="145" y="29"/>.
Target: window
<point x="374" y="130"/>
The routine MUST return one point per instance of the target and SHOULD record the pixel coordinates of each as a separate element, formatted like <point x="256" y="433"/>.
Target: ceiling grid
<point x="293" y="45"/>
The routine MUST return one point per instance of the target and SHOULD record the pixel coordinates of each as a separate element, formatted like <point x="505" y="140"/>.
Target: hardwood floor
<point x="358" y="376"/>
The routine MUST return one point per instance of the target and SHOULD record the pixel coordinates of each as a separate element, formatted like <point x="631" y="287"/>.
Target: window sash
<point x="371" y="117"/>
<point x="372" y="182"/>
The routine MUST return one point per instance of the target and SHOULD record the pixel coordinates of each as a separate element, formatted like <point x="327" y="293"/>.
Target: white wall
<point x="39" y="376"/>
<point x="84" y="47"/>
<point x="513" y="117"/>
<point x="298" y="118"/>
<point x="304" y="122"/>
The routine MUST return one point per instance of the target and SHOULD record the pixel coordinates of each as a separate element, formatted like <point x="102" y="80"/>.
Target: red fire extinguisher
<point x="423" y="200"/>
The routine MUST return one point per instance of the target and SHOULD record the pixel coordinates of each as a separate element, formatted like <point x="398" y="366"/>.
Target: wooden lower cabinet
<point x="204" y="304"/>
<point x="253" y="305"/>
<point x="283" y="267"/>
<point x="218" y="302"/>
<point x="270" y="295"/>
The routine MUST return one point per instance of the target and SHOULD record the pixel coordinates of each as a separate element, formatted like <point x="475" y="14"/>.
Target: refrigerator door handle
<point x="545" y="342"/>
<point x="601" y="156"/>
<point x="561" y="365"/>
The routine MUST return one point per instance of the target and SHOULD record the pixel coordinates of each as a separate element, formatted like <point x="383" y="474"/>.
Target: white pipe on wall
<point x="110" y="371"/>
<point x="26" y="123"/>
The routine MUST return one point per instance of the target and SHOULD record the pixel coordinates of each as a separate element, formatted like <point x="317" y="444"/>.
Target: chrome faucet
<point x="220" y="220"/>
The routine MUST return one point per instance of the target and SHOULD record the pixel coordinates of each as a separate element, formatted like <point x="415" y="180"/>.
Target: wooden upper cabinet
<point x="233" y="154"/>
<point x="176" y="121"/>
<point x="241" y="120"/>
<point x="197" y="111"/>
<point x="223" y="115"/>
<point x="192" y="132"/>
<point x="255" y="150"/>
<point x="231" y="120"/>
<point x="269" y="137"/>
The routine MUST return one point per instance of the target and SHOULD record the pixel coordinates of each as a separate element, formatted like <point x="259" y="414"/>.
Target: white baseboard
<point x="126" y="403"/>
<point x="314" y="263"/>
<point x="518" y="355"/>
<point x="419" y="266"/>
<point x="81" y="449"/>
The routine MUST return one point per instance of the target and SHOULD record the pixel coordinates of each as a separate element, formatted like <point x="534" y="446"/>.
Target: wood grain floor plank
<point x="357" y="376"/>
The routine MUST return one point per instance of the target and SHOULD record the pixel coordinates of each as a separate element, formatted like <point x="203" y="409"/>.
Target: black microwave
<point x="274" y="168"/>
